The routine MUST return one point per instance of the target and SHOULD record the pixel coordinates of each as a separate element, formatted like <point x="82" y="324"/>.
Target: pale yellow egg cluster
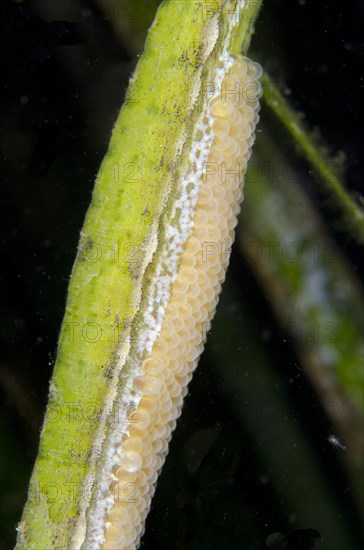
<point x="168" y="370"/>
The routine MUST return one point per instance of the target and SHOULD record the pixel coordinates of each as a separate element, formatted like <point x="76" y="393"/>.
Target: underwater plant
<point x="152" y="256"/>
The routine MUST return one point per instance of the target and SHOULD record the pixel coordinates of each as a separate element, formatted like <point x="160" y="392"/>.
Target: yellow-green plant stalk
<point x="146" y="278"/>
